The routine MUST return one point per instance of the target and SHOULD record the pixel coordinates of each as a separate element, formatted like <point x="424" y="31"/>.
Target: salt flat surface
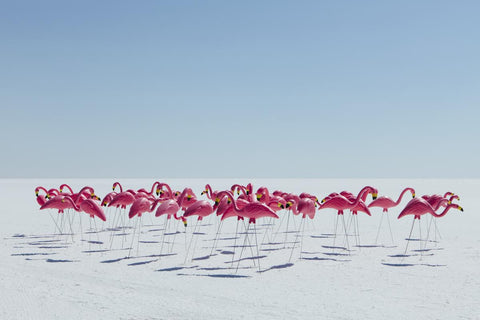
<point x="47" y="276"/>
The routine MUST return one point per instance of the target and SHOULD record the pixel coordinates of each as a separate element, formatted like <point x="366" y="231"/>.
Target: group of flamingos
<point x="184" y="205"/>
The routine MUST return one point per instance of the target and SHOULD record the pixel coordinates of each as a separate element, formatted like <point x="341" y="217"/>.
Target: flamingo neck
<point x="450" y="206"/>
<point x="70" y="200"/>
<point x="170" y="194"/>
<point x="66" y="186"/>
<point x="401" y="195"/>
<point x="119" y="185"/>
<point x="230" y="196"/>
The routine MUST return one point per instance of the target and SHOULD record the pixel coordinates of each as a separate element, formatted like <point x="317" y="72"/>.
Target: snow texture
<point x="44" y="275"/>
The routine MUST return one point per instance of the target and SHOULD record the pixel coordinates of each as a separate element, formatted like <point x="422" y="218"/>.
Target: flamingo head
<point x="249" y="188"/>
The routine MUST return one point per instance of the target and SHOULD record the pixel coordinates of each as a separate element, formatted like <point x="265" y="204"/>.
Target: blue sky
<point x="168" y="89"/>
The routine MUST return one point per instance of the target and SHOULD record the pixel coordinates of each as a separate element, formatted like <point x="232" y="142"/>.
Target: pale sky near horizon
<point x="276" y="89"/>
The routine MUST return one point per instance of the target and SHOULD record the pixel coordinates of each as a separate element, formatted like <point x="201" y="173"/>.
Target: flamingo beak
<point x="238" y="192"/>
<point x="63" y="200"/>
<point x="460" y="208"/>
<point x="282" y="206"/>
<point x="449" y="202"/>
<point x="217" y="201"/>
<point x="60" y="190"/>
<point x="288" y="205"/>
<point x="185" y="222"/>
<point x="47" y="197"/>
<point x="323" y="200"/>
<point x="374" y="196"/>
<point x="413" y="195"/>
<point x="259" y="196"/>
<point x="247" y="192"/>
<point x="157" y="192"/>
<point x="203" y="192"/>
<point x="97" y="197"/>
<point x="36" y="193"/>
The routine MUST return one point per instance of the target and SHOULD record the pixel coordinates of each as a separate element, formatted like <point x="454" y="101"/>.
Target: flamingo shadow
<point x="276" y="267"/>
<point x="321" y="259"/>
<point x="320" y="237"/>
<point x="201" y="258"/>
<point x="114" y="260"/>
<point x="174" y="269"/>
<point x="95" y="251"/>
<point x="33" y="254"/>
<point x="334" y="247"/>
<point x="52" y="247"/>
<point x="247" y="258"/>
<point x="370" y="246"/>
<point x="337" y="254"/>
<point x="232" y="276"/>
<point x="398" y="264"/>
<point x="59" y="260"/>
<point x="141" y="263"/>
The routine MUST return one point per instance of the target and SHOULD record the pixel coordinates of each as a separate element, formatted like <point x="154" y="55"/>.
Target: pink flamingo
<point x="200" y="208"/>
<point x="386" y="203"/>
<point x="123" y="199"/>
<point x="108" y="198"/>
<point x="224" y="208"/>
<point x="418" y="207"/>
<point x="89" y="206"/>
<point x="41" y="199"/>
<point x="306" y="206"/>
<point x="340" y="203"/>
<point x="139" y="207"/>
<point x="208" y="191"/>
<point x="169" y="208"/>
<point x="149" y="193"/>
<point x="253" y="211"/>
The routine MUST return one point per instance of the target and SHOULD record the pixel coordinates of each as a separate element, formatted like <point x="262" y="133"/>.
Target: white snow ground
<point x="46" y="277"/>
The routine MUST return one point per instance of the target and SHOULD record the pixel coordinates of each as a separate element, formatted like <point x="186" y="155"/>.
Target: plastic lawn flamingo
<point x="253" y="211"/>
<point x="386" y="203"/>
<point x="418" y="207"/>
<point x="340" y="203"/>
